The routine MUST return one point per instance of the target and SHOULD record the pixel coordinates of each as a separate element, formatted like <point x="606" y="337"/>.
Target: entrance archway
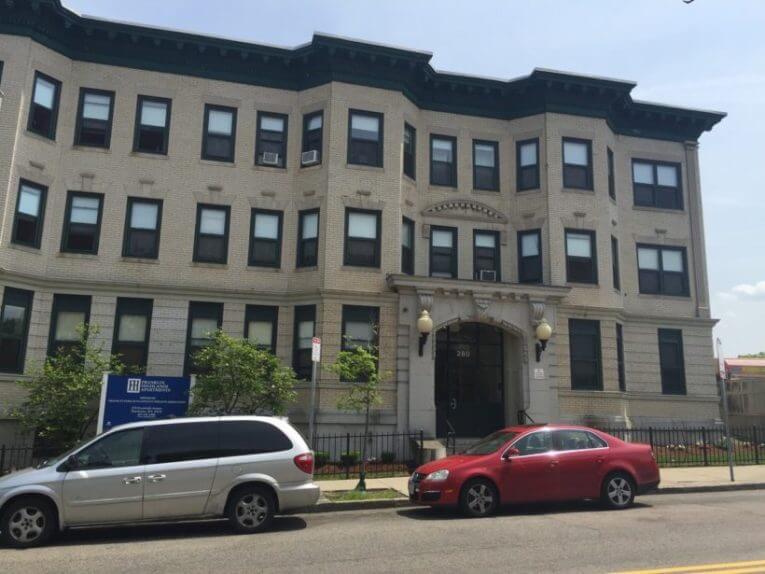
<point x="471" y="379"/>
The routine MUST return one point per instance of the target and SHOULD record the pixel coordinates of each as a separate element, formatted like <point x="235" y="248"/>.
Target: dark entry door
<point x="469" y="380"/>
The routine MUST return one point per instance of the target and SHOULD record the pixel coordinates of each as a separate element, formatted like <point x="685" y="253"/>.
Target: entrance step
<point x="433" y="449"/>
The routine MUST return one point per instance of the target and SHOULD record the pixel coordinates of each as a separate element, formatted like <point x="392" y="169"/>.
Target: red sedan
<point x="533" y="463"/>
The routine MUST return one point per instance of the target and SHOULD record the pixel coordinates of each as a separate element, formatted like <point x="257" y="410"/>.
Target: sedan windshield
<point x="491" y="443"/>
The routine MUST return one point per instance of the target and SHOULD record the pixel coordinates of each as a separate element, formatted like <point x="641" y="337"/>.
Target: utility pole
<point x="723" y="376"/>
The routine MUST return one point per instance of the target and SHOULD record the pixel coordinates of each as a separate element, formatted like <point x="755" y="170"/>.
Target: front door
<point x="581" y="461"/>
<point x="532" y="475"/>
<point x="469" y="380"/>
<point x="105" y="481"/>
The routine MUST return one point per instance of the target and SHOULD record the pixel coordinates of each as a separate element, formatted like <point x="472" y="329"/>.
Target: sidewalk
<point x="673" y="480"/>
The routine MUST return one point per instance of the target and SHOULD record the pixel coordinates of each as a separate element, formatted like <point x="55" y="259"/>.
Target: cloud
<point x="754" y="291"/>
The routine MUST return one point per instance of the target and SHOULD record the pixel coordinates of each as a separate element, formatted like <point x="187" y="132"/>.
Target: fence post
<point x="704" y="445"/>
<point x="422" y="449"/>
<point x="2" y="459"/>
<point x="754" y="438"/>
<point x="650" y="438"/>
<point x="347" y="455"/>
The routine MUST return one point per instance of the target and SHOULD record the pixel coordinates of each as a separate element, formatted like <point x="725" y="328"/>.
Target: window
<point x="581" y="257"/>
<point x="576" y="440"/>
<point x="486" y="254"/>
<point x="308" y="238"/>
<point x="530" y="256"/>
<point x="71" y="314"/>
<point x="211" y="244"/>
<point x="152" y="125"/>
<point x="657" y="184"/>
<point x="1" y="71"/>
<point x="219" y="141"/>
<point x="14" y="328"/>
<point x="407" y="246"/>
<point x="240" y="438"/>
<point x="360" y="326"/>
<point x="132" y="325"/>
<point x="584" y="348"/>
<point x="672" y="361"/>
<point x="365" y="138"/>
<point x="410" y="151"/>
<point x="362" y="238"/>
<point x="620" y="357"/>
<point x="43" y="113"/>
<point x="304" y="330"/>
<point x="577" y="163"/>
<point x="443" y="160"/>
<point x="178" y="442"/>
<point x="266" y="238"/>
<point x="204" y="319"/>
<point x="115" y="450"/>
<point x="94" y="118"/>
<point x="443" y="252"/>
<point x="527" y="159"/>
<point x="313" y="129"/>
<point x="611" y="174"/>
<point x="662" y="270"/>
<point x="534" y="443"/>
<point x="271" y="140"/>
<point x="82" y="225"/>
<point x="485" y="165"/>
<point x="30" y="210"/>
<point x="260" y="323"/>
<point x="142" y="225"/>
<point x="615" y="263"/>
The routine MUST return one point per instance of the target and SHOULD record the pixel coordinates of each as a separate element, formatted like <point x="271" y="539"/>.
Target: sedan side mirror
<point x="510" y="452"/>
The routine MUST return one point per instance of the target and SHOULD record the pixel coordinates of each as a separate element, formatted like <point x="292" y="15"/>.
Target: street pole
<point x="315" y="360"/>
<point x="724" y="397"/>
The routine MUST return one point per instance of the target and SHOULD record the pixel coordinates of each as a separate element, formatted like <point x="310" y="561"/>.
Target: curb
<point x="709" y="488"/>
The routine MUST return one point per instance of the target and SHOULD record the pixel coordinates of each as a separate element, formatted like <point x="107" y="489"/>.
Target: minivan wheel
<point x="618" y="491"/>
<point x="479" y="498"/>
<point x="251" y="509"/>
<point x="27" y="522"/>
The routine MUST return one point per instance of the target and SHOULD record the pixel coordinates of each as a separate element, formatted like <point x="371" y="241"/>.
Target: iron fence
<point x="387" y="454"/>
<point x="17" y="457"/>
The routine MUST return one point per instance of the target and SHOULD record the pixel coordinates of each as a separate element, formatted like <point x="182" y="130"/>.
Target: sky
<point x="708" y="54"/>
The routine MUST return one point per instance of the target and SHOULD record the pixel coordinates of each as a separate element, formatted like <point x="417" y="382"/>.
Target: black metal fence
<point x="387" y="454"/>
<point x="15" y="457"/>
<point x="705" y="446"/>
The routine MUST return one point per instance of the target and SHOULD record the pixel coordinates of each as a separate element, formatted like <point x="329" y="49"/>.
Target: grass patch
<point x="377" y="494"/>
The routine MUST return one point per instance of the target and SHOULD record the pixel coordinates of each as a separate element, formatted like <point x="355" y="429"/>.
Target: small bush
<point x="320" y="458"/>
<point x="350" y="458"/>
<point x="387" y="457"/>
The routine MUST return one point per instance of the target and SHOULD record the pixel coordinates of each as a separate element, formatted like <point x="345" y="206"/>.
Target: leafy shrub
<point x="387" y="457"/>
<point x="350" y="458"/>
<point x="320" y="458"/>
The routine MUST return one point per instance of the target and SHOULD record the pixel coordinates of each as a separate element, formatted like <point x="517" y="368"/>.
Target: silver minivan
<point x="245" y="468"/>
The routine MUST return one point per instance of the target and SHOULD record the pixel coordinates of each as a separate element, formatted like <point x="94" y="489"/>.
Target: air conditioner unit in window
<point x="487" y="275"/>
<point x="309" y="157"/>
<point x="269" y="158"/>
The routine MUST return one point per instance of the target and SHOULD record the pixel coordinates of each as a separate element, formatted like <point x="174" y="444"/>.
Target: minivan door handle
<point x="133" y="480"/>
<point x="156" y="477"/>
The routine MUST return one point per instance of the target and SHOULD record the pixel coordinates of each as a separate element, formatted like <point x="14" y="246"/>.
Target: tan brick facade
<point x="182" y="180"/>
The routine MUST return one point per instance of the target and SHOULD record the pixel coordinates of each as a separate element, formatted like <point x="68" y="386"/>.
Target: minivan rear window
<point x="251" y="437"/>
<point x="177" y="442"/>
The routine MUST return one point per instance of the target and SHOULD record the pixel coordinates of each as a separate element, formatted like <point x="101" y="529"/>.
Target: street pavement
<point x="661" y="531"/>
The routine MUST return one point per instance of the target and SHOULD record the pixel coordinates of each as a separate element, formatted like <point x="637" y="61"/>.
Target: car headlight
<point x="438" y="475"/>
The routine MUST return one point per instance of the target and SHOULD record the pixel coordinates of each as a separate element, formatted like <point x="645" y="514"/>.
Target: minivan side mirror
<point x="510" y="452"/>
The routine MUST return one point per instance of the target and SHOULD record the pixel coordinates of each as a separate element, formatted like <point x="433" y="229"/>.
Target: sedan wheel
<point x="27" y="522"/>
<point x="618" y="491"/>
<point x="479" y="498"/>
<point x="251" y="510"/>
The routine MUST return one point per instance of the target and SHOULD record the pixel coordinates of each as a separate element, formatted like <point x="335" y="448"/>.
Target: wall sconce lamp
<point x="543" y="334"/>
<point x="424" y="327"/>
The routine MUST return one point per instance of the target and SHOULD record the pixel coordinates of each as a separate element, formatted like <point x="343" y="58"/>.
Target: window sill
<point x="209" y="265"/>
<point x="88" y="148"/>
<point x="487" y="192"/>
<point x="579" y="190"/>
<point x="529" y="190"/>
<point x="363" y="167"/>
<point x="25" y="248"/>
<point x="409" y="180"/>
<point x="143" y="260"/>
<point x="269" y="168"/>
<point x="440" y="187"/>
<point x="218" y="162"/>
<point x="665" y="296"/>
<point x="585" y="285"/>
<point x="658" y="209"/>
<point x="263" y="269"/>
<point x="361" y="269"/>
<point x="149" y="155"/>
<point x="312" y="167"/>
<point x="306" y="269"/>
<point x="72" y="255"/>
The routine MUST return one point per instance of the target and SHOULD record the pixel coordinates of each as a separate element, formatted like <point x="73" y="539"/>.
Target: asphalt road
<point x="660" y="531"/>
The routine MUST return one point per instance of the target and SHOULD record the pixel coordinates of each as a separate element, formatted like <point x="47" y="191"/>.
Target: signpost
<point x="722" y="375"/>
<point x="127" y="399"/>
<point x="315" y="360"/>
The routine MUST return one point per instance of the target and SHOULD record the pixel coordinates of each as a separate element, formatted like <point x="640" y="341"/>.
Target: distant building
<point x="746" y="391"/>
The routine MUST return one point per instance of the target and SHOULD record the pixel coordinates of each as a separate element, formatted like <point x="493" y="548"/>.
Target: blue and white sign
<point x="129" y="399"/>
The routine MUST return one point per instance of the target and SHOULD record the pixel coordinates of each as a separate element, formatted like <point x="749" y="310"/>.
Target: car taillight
<point x="304" y="462"/>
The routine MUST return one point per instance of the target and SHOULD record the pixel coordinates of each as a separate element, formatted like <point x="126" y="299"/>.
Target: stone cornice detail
<point x="479" y="290"/>
<point x="464" y="209"/>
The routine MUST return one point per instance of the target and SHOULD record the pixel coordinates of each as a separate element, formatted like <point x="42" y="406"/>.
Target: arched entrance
<point x="471" y="375"/>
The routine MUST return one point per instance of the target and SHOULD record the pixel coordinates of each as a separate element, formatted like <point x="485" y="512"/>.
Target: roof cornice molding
<point x="329" y="58"/>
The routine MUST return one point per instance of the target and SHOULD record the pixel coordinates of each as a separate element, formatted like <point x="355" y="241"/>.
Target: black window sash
<point x="585" y="354"/>
<point x="444" y="259"/>
<point x="308" y="248"/>
<point x="151" y="138"/>
<point x="443" y="172"/>
<point x="140" y="241"/>
<point x="93" y="132"/>
<point x="620" y="357"/>
<point x="530" y="266"/>
<point x="362" y="251"/>
<point x="611" y="174"/>
<point x="27" y="229"/>
<point x="486" y="258"/>
<point x="13" y="337"/>
<point x="615" y="263"/>
<point x="271" y="140"/>
<point x="364" y="151"/>
<point x="313" y="138"/>
<point x="407" y="252"/>
<point x="656" y="281"/>
<point x="580" y="269"/>
<point x="301" y="357"/>
<point x="43" y="120"/>
<point x="486" y="177"/>
<point x="199" y="310"/>
<point x="264" y="314"/>
<point x="63" y="304"/>
<point x="527" y="175"/>
<point x="208" y="241"/>
<point x="260" y="246"/>
<point x="86" y="233"/>
<point x="577" y="176"/>
<point x="672" y="362"/>
<point x="654" y="194"/>
<point x="359" y="314"/>
<point x="223" y="142"/>
<point x="410" y="152"/>
<point x="134" y="354"/>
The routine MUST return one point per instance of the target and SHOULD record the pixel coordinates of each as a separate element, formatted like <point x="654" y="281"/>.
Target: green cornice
<point x="327" y="58"/>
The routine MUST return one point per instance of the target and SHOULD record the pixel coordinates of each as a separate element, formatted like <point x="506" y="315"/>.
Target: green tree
<point x="238" y="377"/>
<point x="760" y="355"/>
<point x="63" y="394"/>
<point x="359" y="366"/>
